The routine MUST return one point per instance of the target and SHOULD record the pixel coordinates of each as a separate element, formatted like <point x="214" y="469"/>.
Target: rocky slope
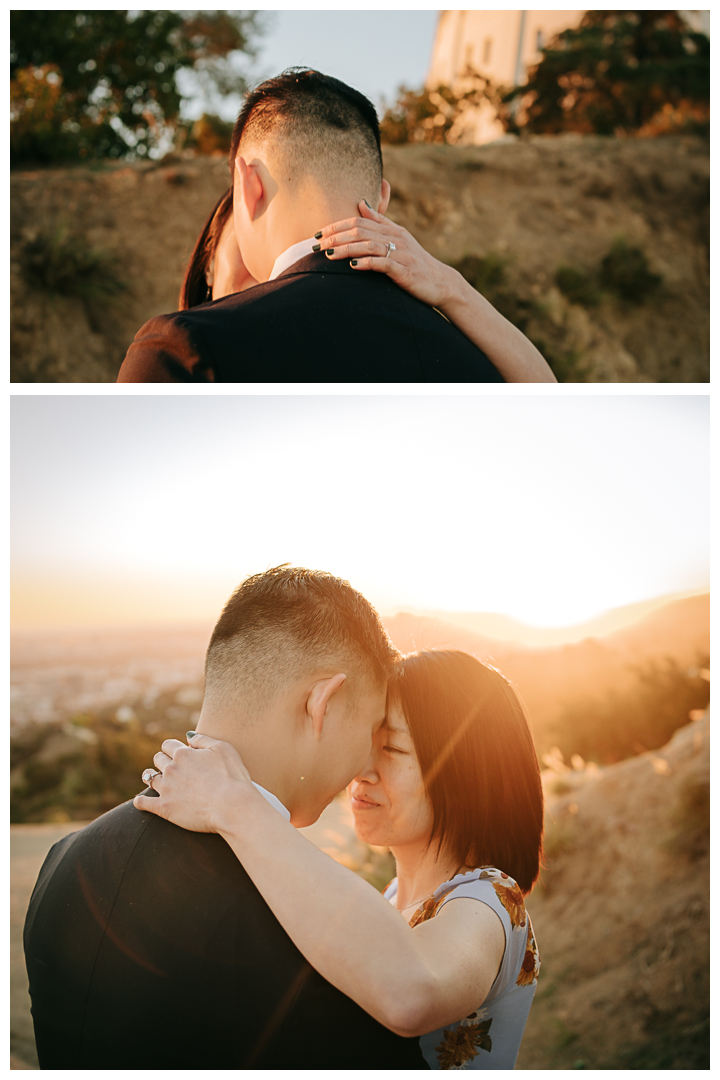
<point x="532" y="206"/>
<point x="621" y="914"/>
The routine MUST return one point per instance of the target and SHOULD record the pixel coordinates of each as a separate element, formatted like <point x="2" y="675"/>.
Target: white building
<point x="501" y="45"/>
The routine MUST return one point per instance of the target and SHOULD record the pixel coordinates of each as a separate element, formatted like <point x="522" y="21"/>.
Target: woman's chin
<point x="365" y="832"/>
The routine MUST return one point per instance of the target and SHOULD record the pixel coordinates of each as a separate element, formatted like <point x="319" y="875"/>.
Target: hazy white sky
<point x="547" y="509"/>
<point x="374" y="51"/>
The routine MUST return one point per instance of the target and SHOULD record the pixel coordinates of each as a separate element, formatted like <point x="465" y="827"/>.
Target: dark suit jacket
<point x="148" y="947"/>
<point x="320" y="321"/>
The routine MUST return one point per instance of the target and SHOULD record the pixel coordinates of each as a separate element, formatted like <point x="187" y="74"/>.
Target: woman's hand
<point x="195" y="782"/>
<point x="364" y="240"/>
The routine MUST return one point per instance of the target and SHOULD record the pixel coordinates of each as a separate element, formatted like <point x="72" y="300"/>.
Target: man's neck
<point x="252" y="743"/>
<point x="299" y="216"/>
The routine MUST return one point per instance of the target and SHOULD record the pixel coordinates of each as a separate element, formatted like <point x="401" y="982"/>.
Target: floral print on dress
<point x="488" y="1038"/>
<point x="531" y="964"/>
<point x="428" y="910"/>
<point x="462" y="1045"/>
<point x="511" y="898"/>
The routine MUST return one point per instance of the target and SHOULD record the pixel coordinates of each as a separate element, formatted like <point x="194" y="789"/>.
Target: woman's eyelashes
<point x="394" y="749"/>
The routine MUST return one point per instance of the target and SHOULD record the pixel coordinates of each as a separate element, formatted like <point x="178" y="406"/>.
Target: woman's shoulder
<point x="493" y="887"/>
<point x="520" y="965"/>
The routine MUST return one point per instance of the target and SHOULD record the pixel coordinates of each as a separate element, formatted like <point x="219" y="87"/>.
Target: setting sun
<point x="550" y="511"/>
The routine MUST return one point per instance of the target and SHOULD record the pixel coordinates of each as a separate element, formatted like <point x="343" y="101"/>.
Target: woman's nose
<point x="369" y="772"/>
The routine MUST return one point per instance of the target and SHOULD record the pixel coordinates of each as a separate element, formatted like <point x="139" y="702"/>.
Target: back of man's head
<point x="285" y="624"/>
<point x="321" y="126"/>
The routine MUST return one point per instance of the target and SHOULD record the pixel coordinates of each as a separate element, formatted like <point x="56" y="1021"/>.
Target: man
<point x="148" y="947"/>
<point x="305" y="151"/>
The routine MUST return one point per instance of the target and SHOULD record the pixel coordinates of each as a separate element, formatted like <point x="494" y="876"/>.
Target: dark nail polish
<point x="316" y="247"/>
<point x="367" y="204"/>
<point x="353" y="262"/>
<point x="318" y="236"/>
<point x="189" y="734"/>
<point x="330" y="251"/>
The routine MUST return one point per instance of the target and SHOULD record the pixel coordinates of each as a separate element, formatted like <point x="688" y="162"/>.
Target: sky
<point x="373" y="51"/>
<point x="548" y="509"/>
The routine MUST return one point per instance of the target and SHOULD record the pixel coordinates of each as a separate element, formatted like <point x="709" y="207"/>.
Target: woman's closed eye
<point x="394" y="749"/>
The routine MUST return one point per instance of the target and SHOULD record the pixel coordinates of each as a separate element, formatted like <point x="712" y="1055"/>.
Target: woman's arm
<point x="412" y="981"/>
<point x="364" y="240"/>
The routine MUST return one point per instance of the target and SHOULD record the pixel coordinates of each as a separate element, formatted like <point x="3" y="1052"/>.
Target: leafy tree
<point x="437" y="115"/>
<point x="93" y="84"/>
<point x="618" y="72"/>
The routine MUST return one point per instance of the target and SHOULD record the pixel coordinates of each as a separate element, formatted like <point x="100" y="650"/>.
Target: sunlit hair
<point x="195" y="289"/>
<point x="286" y="622"/>
<point x="477" y="759"/>
<point x="328" y="128"/>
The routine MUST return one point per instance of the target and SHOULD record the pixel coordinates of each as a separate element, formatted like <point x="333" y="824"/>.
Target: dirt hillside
<point x="622" y="914"/>
<point x="533" y="204"/>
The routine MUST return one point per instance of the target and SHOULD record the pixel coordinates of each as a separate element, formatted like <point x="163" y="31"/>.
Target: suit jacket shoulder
<point x="168" y="348"/>
<point x="137" y="929"/>
<point x="320" y="321"/>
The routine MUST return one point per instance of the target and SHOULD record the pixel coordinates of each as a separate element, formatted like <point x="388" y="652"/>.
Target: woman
<point x="453" y="788"/>
<point x="216" y="269"/>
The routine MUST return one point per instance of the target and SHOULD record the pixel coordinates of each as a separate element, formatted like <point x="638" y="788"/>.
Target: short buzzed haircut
<point x="325" y="128"/>
<point x="286" y="622"/>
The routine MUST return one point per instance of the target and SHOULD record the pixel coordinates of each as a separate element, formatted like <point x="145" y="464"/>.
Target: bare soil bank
<point x="622" y="914"/>
<point x="538" y="203"/>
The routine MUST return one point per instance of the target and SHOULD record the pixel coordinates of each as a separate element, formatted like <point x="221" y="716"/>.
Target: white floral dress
<point x="489" y="1038"/>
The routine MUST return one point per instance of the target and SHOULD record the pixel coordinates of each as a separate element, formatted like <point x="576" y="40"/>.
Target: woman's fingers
<point x="171" y="747"/>
<point x="161" y="761"/>
<point x="384" y="265"/>
<point x="360" y="247"/>
<point x="202" y="742"/>
<point x="357" y="229"/>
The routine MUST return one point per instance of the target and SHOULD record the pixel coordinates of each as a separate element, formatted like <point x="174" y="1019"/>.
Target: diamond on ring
<point x="147" y="776"/>
<point x="390" y="247"/>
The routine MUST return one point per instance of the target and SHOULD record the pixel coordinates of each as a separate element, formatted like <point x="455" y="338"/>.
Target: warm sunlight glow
<point x="550" y="510"/>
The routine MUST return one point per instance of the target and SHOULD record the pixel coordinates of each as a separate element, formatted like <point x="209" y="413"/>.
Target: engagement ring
<point x="147" y="776"/>
<point x="390" y="247"/>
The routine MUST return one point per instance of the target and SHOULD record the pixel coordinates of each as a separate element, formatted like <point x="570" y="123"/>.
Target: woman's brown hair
<point x="195" y="289"/>
<point x="477" y="759"/>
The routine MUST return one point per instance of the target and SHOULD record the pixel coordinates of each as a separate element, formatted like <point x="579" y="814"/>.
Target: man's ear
<point x="251" y="187"/>
<point x="384" y="197"/>
<point x="319" y="699"/>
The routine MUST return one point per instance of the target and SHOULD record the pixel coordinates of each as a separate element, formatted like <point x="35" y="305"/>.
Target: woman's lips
<point x="360" y="802"/>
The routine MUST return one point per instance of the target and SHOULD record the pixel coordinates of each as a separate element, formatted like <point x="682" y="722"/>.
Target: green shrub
<point x="625" y="723"/>
<point x="488" y="274"/>
<point x="63" y="263"/>
<point x="578" y="286"/>
<point x="625" y="272"/>
<point x="210" y="134"/>
<point x="560" y="837"/>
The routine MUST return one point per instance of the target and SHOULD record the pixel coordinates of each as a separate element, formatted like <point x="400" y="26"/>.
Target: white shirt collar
<point x="291" y="255"/>
<point x="273" y="800"/>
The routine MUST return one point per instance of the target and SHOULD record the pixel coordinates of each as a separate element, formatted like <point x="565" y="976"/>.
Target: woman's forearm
<point x="506" y="347"/>
<point x="338" y="921"/>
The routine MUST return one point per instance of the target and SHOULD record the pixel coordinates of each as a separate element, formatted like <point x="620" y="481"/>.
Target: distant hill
<point x="551" y="676"/>
<point x="497" y="627"/>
